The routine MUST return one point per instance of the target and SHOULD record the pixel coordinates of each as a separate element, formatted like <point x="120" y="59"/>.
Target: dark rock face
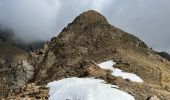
<point x="164" y="55"/>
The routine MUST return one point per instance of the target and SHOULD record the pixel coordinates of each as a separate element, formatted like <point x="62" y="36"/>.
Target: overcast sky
<point x="42" y="19"/>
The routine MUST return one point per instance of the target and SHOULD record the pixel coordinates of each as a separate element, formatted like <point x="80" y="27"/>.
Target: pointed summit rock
<point x="91" y="17"/>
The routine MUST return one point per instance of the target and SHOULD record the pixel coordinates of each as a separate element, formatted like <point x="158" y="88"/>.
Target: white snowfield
<point x="118" y="72"/>
<point x="85" y="89"/>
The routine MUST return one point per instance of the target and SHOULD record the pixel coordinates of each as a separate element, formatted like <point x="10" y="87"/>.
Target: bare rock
<point x="15" y="74"/>
<point x="30" y="92"/>
<point x="154" y="97"/>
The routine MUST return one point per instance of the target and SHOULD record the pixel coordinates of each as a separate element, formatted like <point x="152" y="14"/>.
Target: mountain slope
<point x="89" y="40"/>
<point x="15" y="71"/>
<point x="8" y="50"/>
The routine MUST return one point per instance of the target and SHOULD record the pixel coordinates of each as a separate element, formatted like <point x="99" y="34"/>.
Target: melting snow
<point x="118" y="72"/>
<point x="85" y="89"/>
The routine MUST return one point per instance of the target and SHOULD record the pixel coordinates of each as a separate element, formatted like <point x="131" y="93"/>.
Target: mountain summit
<point x="90" y="17"/>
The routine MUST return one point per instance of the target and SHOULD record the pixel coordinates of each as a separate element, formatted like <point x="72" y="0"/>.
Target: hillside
<point x="14" y="68"/>
<point x="90" y="38"/>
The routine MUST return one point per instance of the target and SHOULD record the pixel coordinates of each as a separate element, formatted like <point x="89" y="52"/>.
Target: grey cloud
<point x="42" y="19"/>
<point x="29" y="19"/>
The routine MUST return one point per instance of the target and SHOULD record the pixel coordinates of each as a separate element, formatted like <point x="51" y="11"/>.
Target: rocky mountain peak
<point x="90" y="30"/>
<point x="91" y="17"/>
<point x="88" y="37"/>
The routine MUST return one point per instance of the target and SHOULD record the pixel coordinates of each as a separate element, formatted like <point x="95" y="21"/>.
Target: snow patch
<point x="107" y="65"/>
<point x="118" y="72"/>
<point x="85" y="89"/>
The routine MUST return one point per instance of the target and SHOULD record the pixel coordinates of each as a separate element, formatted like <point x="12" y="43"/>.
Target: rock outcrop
<point x="30" y="92"/>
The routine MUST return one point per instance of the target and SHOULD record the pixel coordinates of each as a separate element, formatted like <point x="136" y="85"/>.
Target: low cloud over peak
<point x="32" y="20"/>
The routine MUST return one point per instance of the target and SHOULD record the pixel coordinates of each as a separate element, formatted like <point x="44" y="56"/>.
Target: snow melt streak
<point x="85" y="89"/>
<point x="118" y="72"/>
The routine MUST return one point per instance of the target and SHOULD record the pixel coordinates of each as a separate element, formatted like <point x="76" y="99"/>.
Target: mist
<point x="33" y="20"/>
<point x="30" y="20"/>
